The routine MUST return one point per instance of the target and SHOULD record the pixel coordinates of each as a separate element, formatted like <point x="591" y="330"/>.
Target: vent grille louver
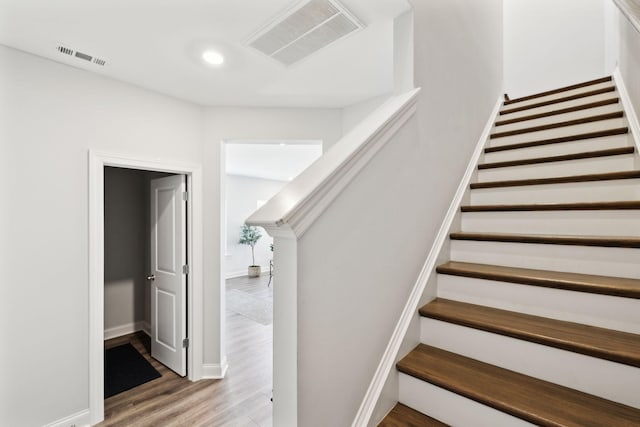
<point x="65" y="50"/>
<point x="305" y="29"/>
<point x="80" y="55"/>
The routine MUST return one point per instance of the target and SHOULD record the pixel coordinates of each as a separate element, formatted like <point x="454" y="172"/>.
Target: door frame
<point x="195" y="292"/>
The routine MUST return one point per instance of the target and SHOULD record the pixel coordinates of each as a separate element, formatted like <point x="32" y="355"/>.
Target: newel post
<point x="285" y="325"/>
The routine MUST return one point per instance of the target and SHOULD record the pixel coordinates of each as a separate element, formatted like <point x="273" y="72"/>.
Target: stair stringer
<point x="382" y="393"/>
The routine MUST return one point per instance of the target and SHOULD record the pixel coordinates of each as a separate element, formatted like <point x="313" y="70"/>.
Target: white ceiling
<point x="276" y="160"/>
<point x="157" y="44"/>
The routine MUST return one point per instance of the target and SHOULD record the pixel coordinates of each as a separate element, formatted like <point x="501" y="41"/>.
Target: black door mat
<point x="124" y="369"/>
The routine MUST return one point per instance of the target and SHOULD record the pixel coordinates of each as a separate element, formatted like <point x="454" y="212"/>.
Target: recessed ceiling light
<point x="212" y="57"/>
<point x="282" y="144"/>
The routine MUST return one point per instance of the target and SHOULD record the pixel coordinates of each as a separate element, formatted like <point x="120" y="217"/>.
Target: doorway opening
<point x="145" y="236"/>
<point x="253" y="172"/>
<point x="171" y="283"/>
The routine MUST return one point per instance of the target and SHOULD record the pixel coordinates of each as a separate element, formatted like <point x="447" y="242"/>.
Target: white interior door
<point x="168" y="272"/>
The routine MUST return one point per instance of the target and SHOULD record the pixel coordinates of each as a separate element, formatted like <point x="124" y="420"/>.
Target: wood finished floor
<point x="242" y="399"/>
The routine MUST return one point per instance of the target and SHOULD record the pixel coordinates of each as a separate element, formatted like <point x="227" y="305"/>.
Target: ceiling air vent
<point x="303" y="30"/>
<point x="80" y="55"/>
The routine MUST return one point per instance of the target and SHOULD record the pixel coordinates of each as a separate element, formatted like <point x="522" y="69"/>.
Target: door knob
<point x="152" y="277"/>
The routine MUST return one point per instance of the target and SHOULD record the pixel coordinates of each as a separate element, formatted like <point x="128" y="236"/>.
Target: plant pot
<point x="254" y="270"/>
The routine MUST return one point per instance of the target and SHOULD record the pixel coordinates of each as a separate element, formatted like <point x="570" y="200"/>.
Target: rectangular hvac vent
<point x="303" y="30"/>
<point x="84" y="56"/>
<point x="74" y="53"/>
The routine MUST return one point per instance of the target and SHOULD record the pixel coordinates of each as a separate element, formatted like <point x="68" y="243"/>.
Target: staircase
<point x="537" y="315"/>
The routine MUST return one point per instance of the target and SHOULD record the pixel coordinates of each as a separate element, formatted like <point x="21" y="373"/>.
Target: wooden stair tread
<point x="616" y="346"/>
<point x="559" y="90"/>
<point x="525" y="397"/>
<point x="561" y="139"/>
<point x="605" y="285"/>
<point x="610" y="176"/>
<point x="403" y="416"/>
<point x="603" y="241"/>
<point x="566" y="123"/>
<point x="587" y="106"/>
<point x="559" y="100"/>
<point x="583" y="206"/>
<point x="565" y="157"/>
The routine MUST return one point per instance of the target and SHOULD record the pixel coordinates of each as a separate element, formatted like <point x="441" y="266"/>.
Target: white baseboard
<point x="234" y="274"/>
<point x="241" y="273"/>
<point x="129" y="328"/>
<point x="79" y="419"/>
<point x="211" y="371"/>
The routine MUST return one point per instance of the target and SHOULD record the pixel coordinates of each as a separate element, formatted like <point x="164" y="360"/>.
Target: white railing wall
<point x="341" y="275"/>
<point x="404" y="337"/>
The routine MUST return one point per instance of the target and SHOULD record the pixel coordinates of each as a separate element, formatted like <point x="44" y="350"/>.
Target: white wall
<point x="403" y="47"/>
<point x="243" y="192"/>
<point x="354" y="114"/>
<point x="611" y="36"/>
<point x="460" y="80"/>
<point x="551" y="43"/>
<point x="403" y="78"/>
<point x="222" y="124"/>
<point x="629" y="58"/>
<point x="358" y="262"/>
<point x="50" y="116"/>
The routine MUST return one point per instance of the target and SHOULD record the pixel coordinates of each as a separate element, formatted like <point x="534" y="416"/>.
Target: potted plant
<point x="249" y="236"/>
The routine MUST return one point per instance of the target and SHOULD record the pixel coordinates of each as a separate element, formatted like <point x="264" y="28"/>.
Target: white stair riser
<point x="575" y="192"/>
<point x="617" y="262"/>
<point x="451" y="408"/>
<point x="547" y="170"/>
<point x="604" y="311"/>
<point x="574" y="223"/>
<point x="610" y="108"/>
<point x="604" y="143"/>
<point x="564" y="94"/>
<point x="609" y="380"/>
<point x="554" y="107"/>
<point x="558" y="132"/>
